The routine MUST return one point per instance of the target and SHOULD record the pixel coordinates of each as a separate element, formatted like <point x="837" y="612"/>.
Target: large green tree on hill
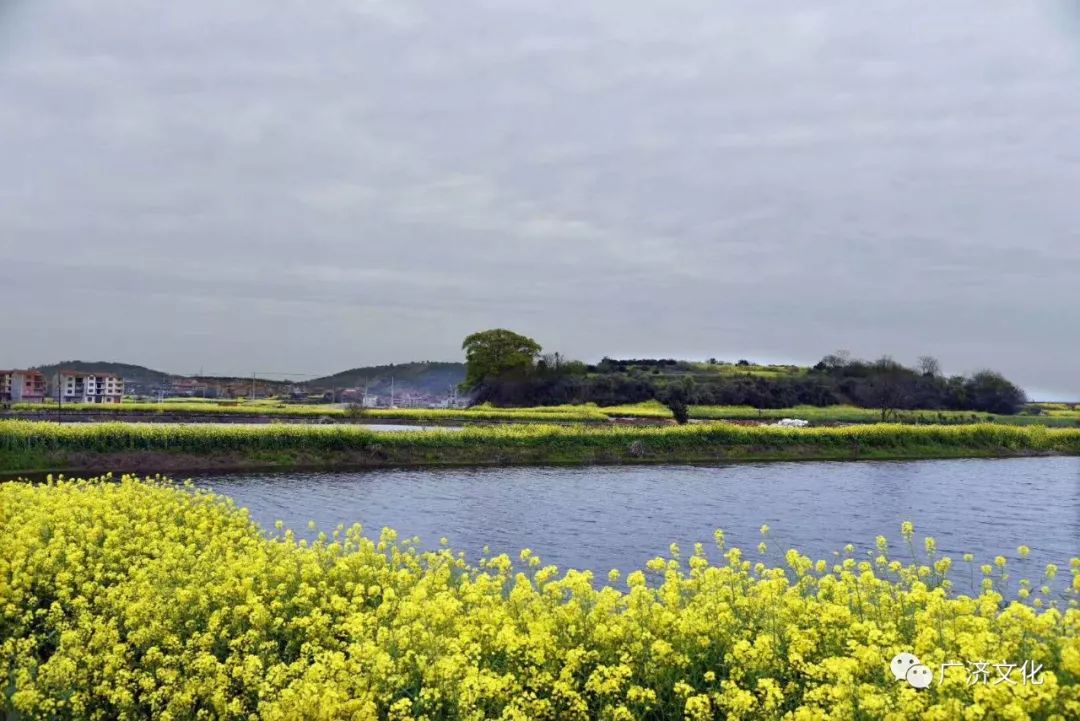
<point x="495" y="353"/>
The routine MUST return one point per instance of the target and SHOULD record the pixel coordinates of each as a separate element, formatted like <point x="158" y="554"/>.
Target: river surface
<point x="604" y="517"/>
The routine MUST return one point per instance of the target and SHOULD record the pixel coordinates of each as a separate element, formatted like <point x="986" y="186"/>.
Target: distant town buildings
<point x="451" y="402"/>
<point x="360" y="397"/>
<point x="404" y="399"/>
<point x="89" y="387"/>
<point x="99" y="386"/>
<point x="22" y="386"/>
<point x="185" y="387"/>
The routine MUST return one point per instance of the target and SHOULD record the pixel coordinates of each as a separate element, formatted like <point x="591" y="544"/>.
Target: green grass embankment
<point x="41" y="446"/>
<point x="848" y="414"/>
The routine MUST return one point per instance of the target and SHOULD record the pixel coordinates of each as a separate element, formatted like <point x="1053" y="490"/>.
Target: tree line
<point x="507" y="369"/>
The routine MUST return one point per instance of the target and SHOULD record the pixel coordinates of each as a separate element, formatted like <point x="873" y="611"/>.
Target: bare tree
<point x="890" y="387"/>
<point x="836" y="360"/>
<point x="929" y="366"/>
<point x="551" y="361"/>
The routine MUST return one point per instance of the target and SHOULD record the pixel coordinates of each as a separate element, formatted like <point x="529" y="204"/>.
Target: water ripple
<point x="619" y="517"/>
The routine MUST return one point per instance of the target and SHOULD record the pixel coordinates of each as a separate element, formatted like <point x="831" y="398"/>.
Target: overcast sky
<point x="298" y="187"/>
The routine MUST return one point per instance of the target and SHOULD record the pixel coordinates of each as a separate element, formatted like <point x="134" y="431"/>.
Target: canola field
<point x="482" y="413"/>
<point x="141" y="599"/>
<point x="1046" y="414"/>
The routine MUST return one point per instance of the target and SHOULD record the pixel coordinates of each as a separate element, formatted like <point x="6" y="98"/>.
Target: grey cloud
<point x="373" y="179"/>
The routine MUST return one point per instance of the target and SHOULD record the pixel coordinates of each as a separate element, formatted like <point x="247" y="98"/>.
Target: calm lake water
<point x="608" y="517"/>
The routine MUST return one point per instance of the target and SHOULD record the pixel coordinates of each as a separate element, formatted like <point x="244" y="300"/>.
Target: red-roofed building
<point x="22" y="386"/>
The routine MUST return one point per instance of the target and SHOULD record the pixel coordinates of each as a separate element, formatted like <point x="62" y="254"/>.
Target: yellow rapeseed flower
<point x="132" y="599"/>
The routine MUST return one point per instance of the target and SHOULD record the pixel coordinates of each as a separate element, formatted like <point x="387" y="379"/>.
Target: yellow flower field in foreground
<point x="141" y="599"/>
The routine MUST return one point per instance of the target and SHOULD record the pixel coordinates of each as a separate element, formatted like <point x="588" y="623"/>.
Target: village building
<point x="22" y="386"/>
<point x="89" y="387"/>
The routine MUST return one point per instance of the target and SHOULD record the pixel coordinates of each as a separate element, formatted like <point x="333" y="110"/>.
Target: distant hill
<point x="127" y="371"/>
<point x="431" y="377"/>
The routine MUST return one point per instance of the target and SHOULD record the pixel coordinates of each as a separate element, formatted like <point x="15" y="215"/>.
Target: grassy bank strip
<point x="854" y="414"/>
<point x="29" y="445"/>
<point x="127" y="599"/>
<point x="587" y="413"/>
<point x="846" y="414"/>
<point x="583" y="414"/>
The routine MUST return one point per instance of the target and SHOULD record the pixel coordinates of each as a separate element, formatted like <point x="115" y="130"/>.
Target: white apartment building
<point x="87" y="387"/>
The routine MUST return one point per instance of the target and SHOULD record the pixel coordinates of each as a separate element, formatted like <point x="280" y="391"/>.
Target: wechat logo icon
<point x="907" y="667"/>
